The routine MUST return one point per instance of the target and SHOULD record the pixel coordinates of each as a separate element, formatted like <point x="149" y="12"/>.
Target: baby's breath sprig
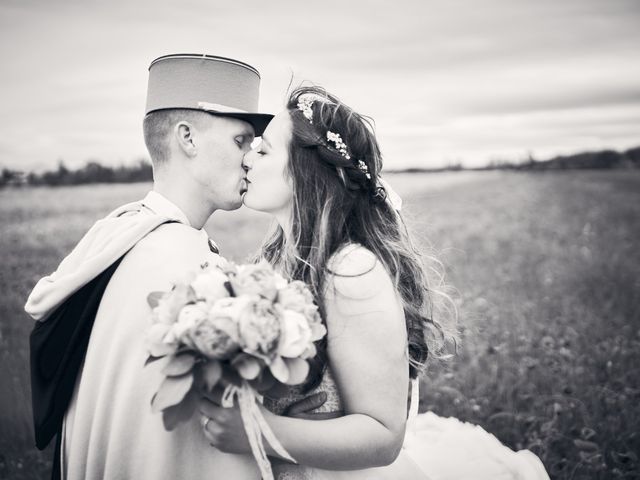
<point x="304" y="105"/>
<point x="340" y="145"/>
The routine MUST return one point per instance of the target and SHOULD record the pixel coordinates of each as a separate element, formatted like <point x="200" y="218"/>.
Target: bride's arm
<point x="367" y="352"/>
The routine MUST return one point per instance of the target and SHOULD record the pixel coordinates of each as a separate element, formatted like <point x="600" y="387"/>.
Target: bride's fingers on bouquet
<point x="303" y="407"/>
<point x="214" y="395"/>
<point x="211" y="410"/>
<point x="223" y="427"/>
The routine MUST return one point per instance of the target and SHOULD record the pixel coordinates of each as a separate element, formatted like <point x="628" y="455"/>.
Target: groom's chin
<point x="231" y="204"/>
<point x="246" y="201"/>
<point x="234" y="206"/>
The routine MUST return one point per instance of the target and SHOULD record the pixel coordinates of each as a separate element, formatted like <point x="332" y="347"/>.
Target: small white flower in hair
<point x="340" y="145"/>
<point x="304" y="105"/>
<point x="342" y="149"/>
<point x="364" y="169"/>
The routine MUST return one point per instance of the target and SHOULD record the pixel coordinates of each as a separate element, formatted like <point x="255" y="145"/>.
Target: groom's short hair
<point x="157" y="127"/>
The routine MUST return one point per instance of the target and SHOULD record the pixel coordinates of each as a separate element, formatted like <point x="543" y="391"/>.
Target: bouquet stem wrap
<point x="255" y="426"/>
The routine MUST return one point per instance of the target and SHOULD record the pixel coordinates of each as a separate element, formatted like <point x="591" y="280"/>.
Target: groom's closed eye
<point x="243" y="140"/>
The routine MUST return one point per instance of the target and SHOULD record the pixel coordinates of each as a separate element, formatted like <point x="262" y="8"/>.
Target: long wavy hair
<point x="337" y="201"/>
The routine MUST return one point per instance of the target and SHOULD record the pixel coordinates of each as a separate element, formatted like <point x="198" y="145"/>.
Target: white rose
<point x="209" y="285"/>
<point x="170" y="304"/>
<point x="296" y="334"/>
<point x="188" y="318"/>
<point x="281" y="282"/>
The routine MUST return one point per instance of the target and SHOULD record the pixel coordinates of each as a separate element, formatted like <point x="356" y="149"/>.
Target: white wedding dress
<point x="435" y="448"/>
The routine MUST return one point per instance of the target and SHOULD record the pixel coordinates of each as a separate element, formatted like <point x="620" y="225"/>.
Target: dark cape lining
<point x="58" y="347"/>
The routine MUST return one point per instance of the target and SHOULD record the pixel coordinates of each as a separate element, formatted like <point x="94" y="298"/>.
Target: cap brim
<point x="258" y="120"/>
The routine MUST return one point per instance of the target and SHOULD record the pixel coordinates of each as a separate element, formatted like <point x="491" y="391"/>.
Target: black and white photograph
<point x="308" y="241"/>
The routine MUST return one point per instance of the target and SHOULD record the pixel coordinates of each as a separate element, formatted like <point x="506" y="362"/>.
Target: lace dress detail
<point x="295" y="394"/>
<point x="287" y="471"/>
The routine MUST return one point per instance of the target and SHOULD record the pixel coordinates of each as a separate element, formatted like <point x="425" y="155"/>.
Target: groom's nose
<point x="246" y="161"/>
<point x="245" y="164"/>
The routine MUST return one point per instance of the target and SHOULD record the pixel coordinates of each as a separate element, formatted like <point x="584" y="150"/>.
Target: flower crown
<point x="304" y="105"/>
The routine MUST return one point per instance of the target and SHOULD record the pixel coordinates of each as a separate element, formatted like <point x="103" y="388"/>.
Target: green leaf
<point x="298" y="370"/>
<point x="171" y="392"/>
<point x="248" y="367"/>
<point x="211" y="374"/>
<point x="230" y="375"/>
<point x="279" y="369"/>
<point x="154" y="298"/>
<point x="264" y="383"/>
<point x="182" y="412"/>
<point x="154" y="340"/>
<point x="157" y="363"/>
<point x="151" y="359"/>
<point x="179" y="365"/>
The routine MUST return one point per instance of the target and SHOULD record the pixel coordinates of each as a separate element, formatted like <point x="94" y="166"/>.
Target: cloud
<point x="443" y="79"/>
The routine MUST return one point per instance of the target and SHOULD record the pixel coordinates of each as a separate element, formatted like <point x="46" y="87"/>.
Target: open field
<point x="546" y="266"/>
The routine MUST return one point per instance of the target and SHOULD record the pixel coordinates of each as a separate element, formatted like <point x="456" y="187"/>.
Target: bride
<point x="339" y="230"/>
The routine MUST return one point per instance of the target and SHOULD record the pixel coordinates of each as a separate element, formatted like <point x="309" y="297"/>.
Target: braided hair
<point x="326" y="117"/>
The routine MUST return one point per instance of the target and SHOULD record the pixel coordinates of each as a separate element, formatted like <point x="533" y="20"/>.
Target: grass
<point x="545" y="265"/>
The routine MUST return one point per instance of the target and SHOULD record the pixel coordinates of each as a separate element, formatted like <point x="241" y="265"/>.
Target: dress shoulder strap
<point x="415" y="398"/>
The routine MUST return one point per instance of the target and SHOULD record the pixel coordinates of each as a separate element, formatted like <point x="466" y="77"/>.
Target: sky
<point x="447" y="81"/>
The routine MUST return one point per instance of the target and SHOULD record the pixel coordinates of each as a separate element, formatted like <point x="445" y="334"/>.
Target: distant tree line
<point x="604" y="159"/>
<point x="92" y="172"/>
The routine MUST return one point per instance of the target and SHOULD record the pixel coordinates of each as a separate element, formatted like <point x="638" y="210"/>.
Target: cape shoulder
<point x="172" y="249"/>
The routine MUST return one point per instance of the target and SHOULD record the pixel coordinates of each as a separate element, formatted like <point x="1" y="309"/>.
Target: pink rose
<point x="188" y="318"/>
<point x="295" y="296"/>
<point x="318" y="330"/>
<point x="217" y="336"/>
<point x="258" y="279"/>
<point x="259" y="326"/>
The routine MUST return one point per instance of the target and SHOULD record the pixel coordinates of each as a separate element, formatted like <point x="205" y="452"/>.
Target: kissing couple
<point x="338" y="229"/>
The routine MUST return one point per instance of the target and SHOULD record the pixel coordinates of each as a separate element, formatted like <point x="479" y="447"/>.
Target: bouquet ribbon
<point x="255" y="426"/>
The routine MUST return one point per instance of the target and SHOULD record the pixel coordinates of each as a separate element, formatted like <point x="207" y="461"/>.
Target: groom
<point x="90" y="386"/>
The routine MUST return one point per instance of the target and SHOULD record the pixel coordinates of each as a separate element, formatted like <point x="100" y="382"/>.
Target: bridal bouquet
<point x="235" y="326"/>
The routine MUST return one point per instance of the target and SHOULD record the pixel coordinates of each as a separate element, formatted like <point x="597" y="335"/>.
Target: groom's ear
<point x="185" y="134"/>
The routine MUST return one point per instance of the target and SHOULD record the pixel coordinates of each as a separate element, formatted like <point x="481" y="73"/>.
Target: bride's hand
<point x="223" y="427"/>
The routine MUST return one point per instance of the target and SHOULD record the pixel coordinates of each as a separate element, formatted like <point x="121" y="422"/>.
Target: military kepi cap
<point x="217" y="85"/>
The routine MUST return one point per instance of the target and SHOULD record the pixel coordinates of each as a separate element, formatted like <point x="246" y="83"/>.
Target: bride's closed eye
<point x="261" y="150"/>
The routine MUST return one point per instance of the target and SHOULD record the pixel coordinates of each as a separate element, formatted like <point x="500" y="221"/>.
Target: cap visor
<point x="258" y="120"/>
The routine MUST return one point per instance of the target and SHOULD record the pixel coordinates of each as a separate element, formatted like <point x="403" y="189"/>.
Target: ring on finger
<point x="205" y="421"/>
